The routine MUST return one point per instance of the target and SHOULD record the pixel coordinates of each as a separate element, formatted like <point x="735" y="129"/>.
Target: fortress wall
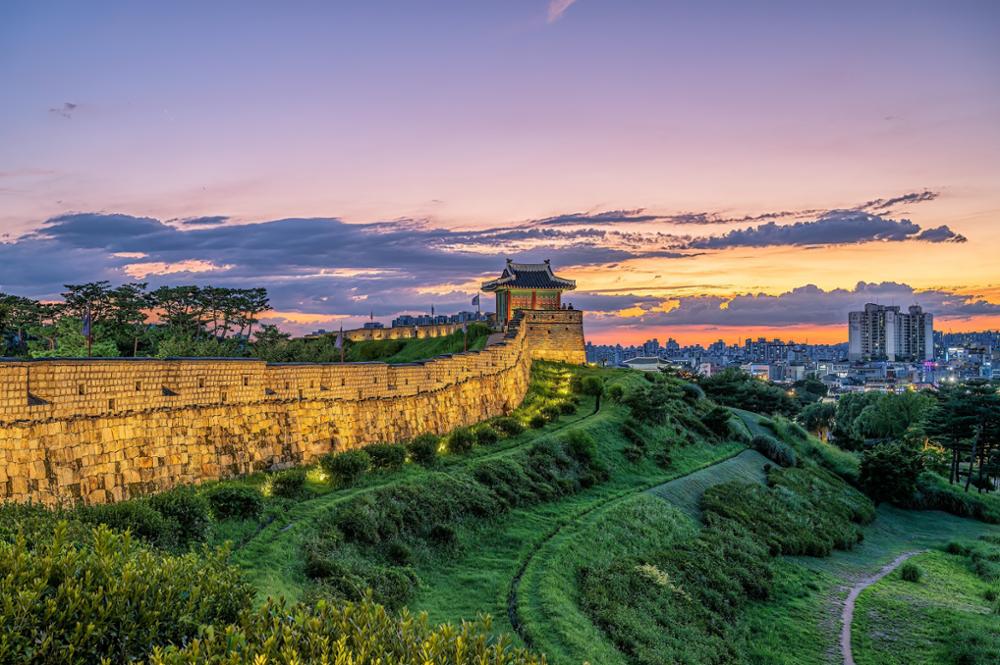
<point x="104" y="430"/>
<point x="555" y="335"/>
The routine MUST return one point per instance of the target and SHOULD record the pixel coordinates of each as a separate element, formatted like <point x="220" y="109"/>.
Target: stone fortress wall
<point x="104" y="430"/>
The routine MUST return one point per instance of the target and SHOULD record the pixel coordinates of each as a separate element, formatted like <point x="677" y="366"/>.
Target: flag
<point x="86" y="323"/>
<point x="465" y="327"/>
<point x="475" y="301"/>
<point x="339" y="344"/>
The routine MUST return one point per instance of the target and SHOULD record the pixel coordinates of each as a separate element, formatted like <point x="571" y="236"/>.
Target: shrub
<point x="551" y="411"/>
<point x="190" y="510"/>
<point x="616" y="392"/>
<point x="137" y="517"/>
<point x="237" y="501"/>
<point x="461" y="440"/>
<point x="486" y="435"/>
<point x="774" y="450"/>
<point x="537" y="421"/>
<point x="424" y="449"/>
<point x="347" y="467"/>
<point x="341" y="632"/>
<point x="109" y="597"/>
<point x="910" y="572"/>
<point x="508" y="425"/>
<point x="633" y="453"/>
<point x="567" y="406"/>
<point x="386" y="456"/>
<point x="632" y="431"/>
<point x="934" y="493"/>
<point x="399" y="553"/>
<point x="717" y="420"/>
<point x="692" y="393"/>
<point x="663" y="459"/>
<point x="443" y="535"/>
<point x="288" y="484"/>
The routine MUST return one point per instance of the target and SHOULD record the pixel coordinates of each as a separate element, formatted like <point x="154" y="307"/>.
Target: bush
<point x="190" y="510"/>
<point x="288" y="484"/>
<point x="551" y="412"/>
<point x="461" y="440"/>
<point x="633" y="453"/>
<point x="910" y="572"/>
<point x="486" y="435"/>
<point x="889" y="473"/>
<point x="537" y="421"/>
<point x="109" y="597"/>
<point x="934" y="493"/>
<point x="341" y="632"/>
<point x="237" y="501"/>
<point x="774" y="450"/>
<point x="692" y="393"/>
<point x="138" y="518"/>
<point x="386" y="456"/>
<point x="443" y="535"/>
<point x="616" y="392"/>
<point x="508" y="425"/>
<point x="717" y="420"/>
<point x="424" y="449"/>
<point x="399" y="553"/>
<point x="803" y="511"/>
<point x="347" y="467"/>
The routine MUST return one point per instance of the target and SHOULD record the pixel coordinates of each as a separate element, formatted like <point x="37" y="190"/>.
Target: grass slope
<point x="685" y="493"/>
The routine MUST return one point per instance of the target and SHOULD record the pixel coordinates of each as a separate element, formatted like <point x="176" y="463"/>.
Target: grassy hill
<point x="642" y="532"/>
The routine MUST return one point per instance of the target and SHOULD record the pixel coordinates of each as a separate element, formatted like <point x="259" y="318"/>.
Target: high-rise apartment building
<point x="886" y="333"/>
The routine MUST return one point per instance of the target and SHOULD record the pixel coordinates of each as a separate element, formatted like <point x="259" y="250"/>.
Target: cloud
<point x="839" y="227"/>
<point x="885" y="204"/>
<point x="66" y="110"/>
<point x="804" y="305"/>
<point x="941" y="234"/>
<point x="557" y="8"/>
<point x="201" y="221"/>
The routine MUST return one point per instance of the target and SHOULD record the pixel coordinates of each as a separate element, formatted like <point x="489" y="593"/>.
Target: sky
<point x="704" y="170"/>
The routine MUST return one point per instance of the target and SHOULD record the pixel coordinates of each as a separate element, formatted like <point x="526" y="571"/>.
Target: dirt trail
<point x="847" y="614"/>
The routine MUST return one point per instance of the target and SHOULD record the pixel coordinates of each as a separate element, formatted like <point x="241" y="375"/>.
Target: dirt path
<point x="847" y="614"/>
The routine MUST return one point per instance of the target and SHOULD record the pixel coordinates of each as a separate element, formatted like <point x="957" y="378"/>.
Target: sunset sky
<point x="704" y="170"/>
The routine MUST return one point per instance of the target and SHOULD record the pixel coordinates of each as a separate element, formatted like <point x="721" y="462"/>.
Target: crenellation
<point x="142" y="425"/>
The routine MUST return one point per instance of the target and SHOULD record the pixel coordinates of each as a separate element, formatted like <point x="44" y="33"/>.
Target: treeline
<point x="131" y="320"/>
<point x="953" y="432"/>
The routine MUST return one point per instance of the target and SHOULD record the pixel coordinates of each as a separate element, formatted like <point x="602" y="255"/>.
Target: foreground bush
<point x="424" y="449"/>
<point x="387" y="456"/>
<point x="359" y="634"/>
<point x="508" y="425"/>
<point x="461" y="440"/>
<point x="288" y="484"/>
<point x="347" y="467"/>
<point x="774" y="450"/>
<point x="188" y="509"/>
<point x="235" y="501"/>
<point x="109" y="597"/>
<point x="137" y="517"/>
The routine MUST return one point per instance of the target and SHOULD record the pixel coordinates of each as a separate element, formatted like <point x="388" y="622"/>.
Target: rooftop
<point x="528" y="276"/>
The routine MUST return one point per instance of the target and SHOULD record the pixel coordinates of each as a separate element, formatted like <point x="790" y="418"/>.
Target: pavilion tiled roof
<point x="528" y="276"/>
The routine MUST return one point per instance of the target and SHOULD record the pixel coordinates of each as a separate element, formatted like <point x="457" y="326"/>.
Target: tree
<point x="889" y="472"/>
<point x="810" y="390"/>
<point x="64" y="339"/>
<point x="818" y="416"/>
<point x="735" y="388"/>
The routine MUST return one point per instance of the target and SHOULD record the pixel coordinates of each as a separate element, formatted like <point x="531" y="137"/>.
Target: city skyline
<point x="699" y="180"/>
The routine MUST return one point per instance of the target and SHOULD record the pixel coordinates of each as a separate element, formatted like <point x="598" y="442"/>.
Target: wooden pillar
<point x="534" y="295"/>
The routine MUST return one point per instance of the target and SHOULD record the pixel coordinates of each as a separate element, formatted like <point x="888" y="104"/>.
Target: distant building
<point x="885" y="333"/>
<point x="645" y="363"/>
<point x="373" y="325"/>
<point x="527" y="286"/>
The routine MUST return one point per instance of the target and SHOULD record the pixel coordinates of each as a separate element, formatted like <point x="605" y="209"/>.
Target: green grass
<point x="412" y="350"/>
<point x="685" y="493"/>
<point x="271" y="554"/>
<point x="899" y="622"/>
<point x="809" y="592"/>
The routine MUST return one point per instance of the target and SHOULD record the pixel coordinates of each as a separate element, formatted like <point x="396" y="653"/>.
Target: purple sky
<point x="453" y="120"/>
